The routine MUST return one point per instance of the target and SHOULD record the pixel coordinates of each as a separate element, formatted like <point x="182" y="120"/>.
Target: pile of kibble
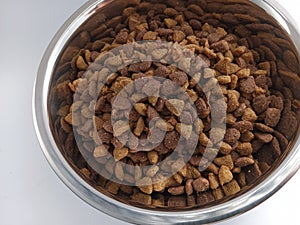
<point x="247" y="53"/>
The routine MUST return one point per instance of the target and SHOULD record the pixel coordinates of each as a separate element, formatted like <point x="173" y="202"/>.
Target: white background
<point x="30" y="192"/>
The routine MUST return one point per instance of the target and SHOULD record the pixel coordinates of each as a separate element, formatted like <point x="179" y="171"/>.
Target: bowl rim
<point x="238" y="205"/>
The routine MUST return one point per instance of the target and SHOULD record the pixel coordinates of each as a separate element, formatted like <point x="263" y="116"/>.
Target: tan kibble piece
<point x="242" y="179"/>
<point x="189" y="187"/>
<point x="163" y="125"/>
<point x="230" y="119"/>
<point x="225" y="148"/>
<point x="213" y="181"/>
<point x="153" y="157"/>
<point x="189" y="172"/>
<point x="243" y="73"/>
<point x="231" y="188"/>
<point x="150" y="35"/>
<point x="141" y="108"/>
<point x="100" y="151"/>
<point x="178" y="35"/>
<point x="120" y="127"/>
<point x="213" y="168"/>
<point x="249" y="115"/>
<point x="81" y="64"/>
<point x="201" y="184"/>
<point x="175" y="106"/>
<point x="204" y="140"/>
<point x="68" y="119"/>
<point x="239" y="50"/>
<point x="244" y="149"/>
<point x="129" y="178"/>
<point x="224" y="161"/>
<point x="218" y="193"/>
<point x="120" y="153"/>
<point x="234" y="81"/>
<point x="112" y="187"/>
<point x="98" y="122"/>
<point x="176" y="190"/>
<point x="184" y="130"/>
<point x="243" y="161"/>
<point x="170" y="22"/>
<point x="247" y="136"/>
<point x="138" y="173"/>
<point x="140" y="126"/>
<point x="153" y="100"/>
<point x="152" y="171"/>
<point x="225" y="175"/>
<point x="158" y="202"/>
<point x="119" y="172"/>
<point x="233" y="100"/>
<point x="85" y="172"/>
<point x="142" y="198"/>
<point x="178" y="178"/>
<point x="192" y="94"/>
<point x="145" y="185"/>
<point x="224" y="79"/>
<point x="236" y="170"/>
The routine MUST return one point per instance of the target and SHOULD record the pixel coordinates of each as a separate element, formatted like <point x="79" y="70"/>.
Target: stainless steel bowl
<point x="268" y="185"/>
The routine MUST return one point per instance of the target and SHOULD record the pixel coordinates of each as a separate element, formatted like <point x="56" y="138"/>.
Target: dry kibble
<point x="145" y="185"/>
<point x="213" y="181"/>
<point x="243" y="161"/>
<point x="224" y="161"/>
<point x="140" y="126"/>
<point x="225" y="175"/>
<point x="120" y="153"/>
<point x="244" y="148"/>
<point x="100" y="151"/>
<point x="230" y="48"/>
<point x="201" y="184"/>
<point x="231" y="188"/>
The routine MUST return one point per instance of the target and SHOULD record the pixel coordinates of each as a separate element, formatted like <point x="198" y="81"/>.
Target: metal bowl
<point x="267" y="185"/>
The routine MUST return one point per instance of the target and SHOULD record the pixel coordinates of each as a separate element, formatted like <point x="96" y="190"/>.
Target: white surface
<point x="30" y="192"/>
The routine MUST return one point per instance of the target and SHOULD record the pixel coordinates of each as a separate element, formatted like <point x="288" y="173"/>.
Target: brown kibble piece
<point x="188" y="187"/>
<point x="225" y="175"/>
<point x="224" y="161"/>
<point x="225" y="148"/>
<point x="150" y="35"/>
<point x="112" y="187"/>
<point x="249" y="115"/>
<point x="100" y="151"/>
<point x="244" y="149"/>
<point x="145" y="185"/>
<point x="264" y="128"/>
<point x="231" y="188"/>
<point x="178" y="35"/>
<point x="232" y="135"/>
<point x="170" y="22"/>
<point x="220" y="46"/>
<point x="201" y="184"/>
<point x="243" y="126"/>
<point x="120" y="153"/>
<point x="272" y="117"/>
<point x="141" y="198"/>
<point x="141" y="108"/>
<point x="213" y="181"/>
<point x="247" y="85"/>
<point x="243" y="161"/>
<point x="260" y="103"/>
<point x="176" y="202"/>
<point x="264" y="137"/>
<point x="140" y="126"/>
<point x="176" y="190"/>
